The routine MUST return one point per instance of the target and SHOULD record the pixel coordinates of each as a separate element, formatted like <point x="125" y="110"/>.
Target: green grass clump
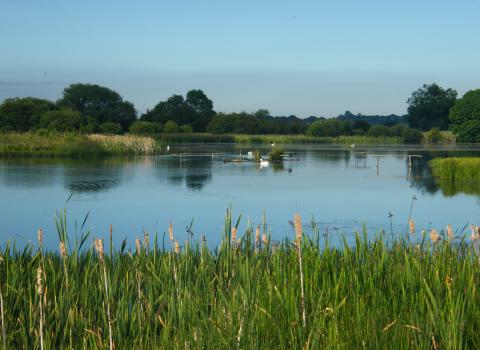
<point x="455" y="169"/>
<point x="249" y="293"/>
<point x="74" y="145"/>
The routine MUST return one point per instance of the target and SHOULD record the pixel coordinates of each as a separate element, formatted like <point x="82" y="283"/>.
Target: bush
<point x="145" y="128"/>
<point x="329" y="127"/>
<point x="110" y="128"/>
<point x="62" y="120"/>
<point x="170" y="127"/>
<point x="469" y="131"/>
<point x="186" y="129"/>
<point x="378" y="130"/>
<point x="276" y="154"/>
<point x="434" y="135"/>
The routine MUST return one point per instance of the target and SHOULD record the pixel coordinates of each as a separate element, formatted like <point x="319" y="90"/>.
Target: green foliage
<point x="101" y="103"/>
<point x="434" y="135"/>
<point x="378" y="130"/>
<point x="145" y="128"/>
<point x="170" y="127"/>
<point x="329" y="127"/>
<point x="465" y="117"/>
<point x="456" y="169"/>
<point x="196" y="110"/>
<point x="245" y="295"/>
<point x="276" y="154"/>
<point x="23" y="114"/>
<point x="63" y="120"/>
<point x="429" y="107"/>
<point x="110" y="128"/>
<point x="186" y="128"/>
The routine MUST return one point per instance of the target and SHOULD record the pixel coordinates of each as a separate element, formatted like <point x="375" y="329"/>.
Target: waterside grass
<point x="456" y="169"/>
<point x="249" y="293"/>
<point x="284" y="139"/>
<point x="74" y="145"/>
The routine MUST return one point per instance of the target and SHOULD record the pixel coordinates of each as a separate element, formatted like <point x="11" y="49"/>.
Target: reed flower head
<point x="298" y="227"/>
<point x="450" y="232"/>
<point x="234" y="234"/>
<point x="40" y="237"/>
<point x="475" y="236"/>
<point x="434" y="236"/>
<point x="99" y="248"/>
<point x="138" y="245"/>
<point x="39" y="281"/>
<point x="170" y="231"/>
<point x="177" y="247"/>
<point x="264" y="238"/>
<point x="146" y="239"/>
<point x="63" y="249"/>
<point x="411" y="225"/>
<point x="257" y="236"/>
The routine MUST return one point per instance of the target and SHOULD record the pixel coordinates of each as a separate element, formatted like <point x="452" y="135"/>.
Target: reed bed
<point x="421" y="292"/>
<point x="74" y="145"/>
<point x="456" y="169"/>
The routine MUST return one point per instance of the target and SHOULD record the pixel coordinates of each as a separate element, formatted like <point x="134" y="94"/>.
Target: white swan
<point x="264" y="163"/>
<point x="168" y="148"/>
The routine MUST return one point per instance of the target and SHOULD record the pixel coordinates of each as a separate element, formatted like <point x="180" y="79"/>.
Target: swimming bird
<point x="273" y="144"/>
<point x="352" y="145"/>
<point x="168" y="148"/>
<point x="263" y="163"/>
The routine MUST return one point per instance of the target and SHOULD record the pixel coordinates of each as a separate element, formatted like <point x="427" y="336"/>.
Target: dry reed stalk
<point x="298" y="241"/>
<point x="63" y="253"/>
<point x="177" y="248"/>
<point x="40" y="291"/>
<point x="434" y="236"/>
<point x="411" y="225"/>
<point x="138" y="245"/>
<point x="450" y="234"/>
<point x="264" y="238"/>
<point x="101" y="256"/>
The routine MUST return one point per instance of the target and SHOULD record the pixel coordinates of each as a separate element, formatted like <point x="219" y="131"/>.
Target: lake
<point x="340" y="188"/>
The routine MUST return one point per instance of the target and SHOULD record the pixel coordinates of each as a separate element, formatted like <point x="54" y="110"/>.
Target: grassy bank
<point x="74" y="145"/>
<point x="456" y="169"/>
<point x="247" y="294"/>
<point x="285" y="139"/>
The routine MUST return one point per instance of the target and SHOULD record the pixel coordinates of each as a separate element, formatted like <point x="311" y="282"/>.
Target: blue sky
<point x="291" y="57"/>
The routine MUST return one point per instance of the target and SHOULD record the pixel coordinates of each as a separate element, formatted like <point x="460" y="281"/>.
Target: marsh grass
<point x="300" y="293"/>
<point x="74" y="145"/>
<point x="457" y="175"/>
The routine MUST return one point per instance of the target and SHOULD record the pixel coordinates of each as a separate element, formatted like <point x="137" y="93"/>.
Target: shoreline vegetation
<point x="75" y="145"/>
<point x="454" y="175"/>
<point x="419" y="291"/>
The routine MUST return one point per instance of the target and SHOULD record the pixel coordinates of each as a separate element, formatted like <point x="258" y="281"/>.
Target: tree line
<point x="89" y="108"/>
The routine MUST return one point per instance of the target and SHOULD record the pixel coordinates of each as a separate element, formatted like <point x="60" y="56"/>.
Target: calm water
<point x="339" y="188"/>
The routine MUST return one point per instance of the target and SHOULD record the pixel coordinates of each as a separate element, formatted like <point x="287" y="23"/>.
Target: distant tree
<point x="429" y="107"/>
<point x="329" y="127"/>
<point x="110" y="128"/>
<point x="23" y="114"/>
<point x="186" y="128"/>
<point x="62" y="120"/>
<point x="170" y="127"/>
<point x="469" y="131"/>
<point x="101" y="103"/>
<point x="145" y="128"/>
<point x="378" y="130"/>
<point x="466" y="110"/>
<point x="262" y="113"/>
<point x="360" y="125"/>
<point x="196" y="110"/>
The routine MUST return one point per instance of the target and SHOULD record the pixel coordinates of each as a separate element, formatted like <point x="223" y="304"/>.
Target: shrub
<point x="62" y="120"/>
<point x="186" y="128"/>
<point x="145" y="128"/>
<point x="378" y="130"/>
<point x="170" y="127"/>
<point x="110" y="128"/>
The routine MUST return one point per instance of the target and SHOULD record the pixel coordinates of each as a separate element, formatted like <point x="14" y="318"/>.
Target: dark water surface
<point x="341" y="188"/>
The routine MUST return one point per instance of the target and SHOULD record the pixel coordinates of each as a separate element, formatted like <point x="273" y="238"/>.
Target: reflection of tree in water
<point x="421" y="176"/>
<point x="194" y="171"/>
<point x="332" y="157"/>
<point x="29" y="172"/>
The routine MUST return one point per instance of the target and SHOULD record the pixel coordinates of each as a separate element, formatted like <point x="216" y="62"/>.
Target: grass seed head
<point x="450" y="232"/>
<point x="234" y="234"/>
<point x="40" y="237"/>
<point x="99" y="248"/>
<point x="63" y="249"/>
<point x="298" y="227"/>
<point x="411" y="224"/>
<point x="39" y="281"/>
<point x="177" y="247"/>
<point x="264" y="238"/>
<point x="434" y="236"/>
<point x="138" y="245"/>
<point x="257" y="235"/>
<point x="170" y="231"/>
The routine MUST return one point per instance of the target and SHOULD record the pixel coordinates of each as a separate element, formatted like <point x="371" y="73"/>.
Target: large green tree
<point x="101" y="103"/>
<point x="196" y="109"/>
<point x="429" y="106"/>
<point x="465" y="117"/>
<point x="23" y="114"/>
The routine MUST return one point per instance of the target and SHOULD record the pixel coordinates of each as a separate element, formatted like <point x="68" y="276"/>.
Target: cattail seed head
<point x="257" y="235"/>
<point x="450" y="232"/>
<point x="411" y="225"/>
<point x="63" y="249"/>
<point x="298" y="227"/>
<point x="39" y="281"/>
<point x="40" y="237"/>
<point x="264" y="238"/>
<point x="138" y="245"/>
<point x="170" y="231"/>
<point x="177" y="247"/>
<point x="99" y="248"/>
<point x="434" y="236"/>
<point x="234" y="234"/>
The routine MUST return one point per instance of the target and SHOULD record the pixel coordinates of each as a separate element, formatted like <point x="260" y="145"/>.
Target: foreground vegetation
<point x="74" y="145"/>
<point x="251" y="293"/>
